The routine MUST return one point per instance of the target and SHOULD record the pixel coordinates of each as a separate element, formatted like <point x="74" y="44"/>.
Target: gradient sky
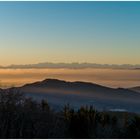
<point x="97" y="32"/>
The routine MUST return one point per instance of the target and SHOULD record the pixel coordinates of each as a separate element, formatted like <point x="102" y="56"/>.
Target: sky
<point x="94" y="32"/>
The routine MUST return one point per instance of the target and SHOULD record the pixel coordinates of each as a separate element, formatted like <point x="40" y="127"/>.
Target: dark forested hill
<point x="59" y="92"/>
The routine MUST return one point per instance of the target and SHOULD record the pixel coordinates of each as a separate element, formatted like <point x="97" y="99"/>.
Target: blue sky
<point x="98" y="32"/>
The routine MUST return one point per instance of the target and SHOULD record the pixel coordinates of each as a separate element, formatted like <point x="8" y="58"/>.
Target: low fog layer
<point x="107" y="77"/>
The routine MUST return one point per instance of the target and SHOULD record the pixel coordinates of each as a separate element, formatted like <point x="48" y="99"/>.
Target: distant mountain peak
<point x="47" y="83"/>
<point x="52" y="80"/>
<point x="77" y="86"/>
<point x="67" y="85"/>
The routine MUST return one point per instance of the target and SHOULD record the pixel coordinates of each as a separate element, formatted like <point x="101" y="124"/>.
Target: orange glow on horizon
<point x="106" y="77"/>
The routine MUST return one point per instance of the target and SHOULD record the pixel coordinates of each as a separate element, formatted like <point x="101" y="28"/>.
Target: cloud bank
<point x="71" y="66"/>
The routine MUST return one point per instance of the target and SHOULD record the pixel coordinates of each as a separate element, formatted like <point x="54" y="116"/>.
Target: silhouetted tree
<point x="22" y="117"/>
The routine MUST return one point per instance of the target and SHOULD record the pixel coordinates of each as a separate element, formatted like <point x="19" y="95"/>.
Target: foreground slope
<point x="137" y="89"/>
